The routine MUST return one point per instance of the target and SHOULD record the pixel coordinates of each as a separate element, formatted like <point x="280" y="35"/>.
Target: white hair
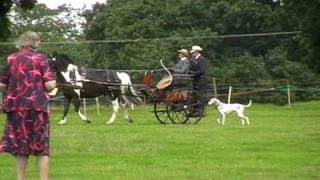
<point x="28" y="39"/>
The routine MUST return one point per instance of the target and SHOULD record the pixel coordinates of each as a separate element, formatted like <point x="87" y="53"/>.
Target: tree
<point x="280" y="67"/>
<point x="140" y="20"/>
<point x="54" y="25"/>
<point x="246" y="69"/>
<point x="306" y="14"/>
<point x="5" y="6"/>
<point x="182" y="19"/>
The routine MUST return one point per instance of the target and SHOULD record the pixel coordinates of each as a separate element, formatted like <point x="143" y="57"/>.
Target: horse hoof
<point x="109" y="123"/>
<point x="130" y="120"/>
<point x="87" y="120"/>
<point x="61" y="122"/>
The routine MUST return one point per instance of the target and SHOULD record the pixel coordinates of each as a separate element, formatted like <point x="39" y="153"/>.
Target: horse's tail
<point x="134" y="97"/>
<point x="249" y="104"/>
<point x="129" y="94"/>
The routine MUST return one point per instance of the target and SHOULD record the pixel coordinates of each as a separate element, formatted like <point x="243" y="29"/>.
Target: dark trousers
<point x="202" y="90"/>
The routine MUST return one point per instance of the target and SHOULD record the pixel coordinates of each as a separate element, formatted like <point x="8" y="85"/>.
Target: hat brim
<point x="193" y="51"/>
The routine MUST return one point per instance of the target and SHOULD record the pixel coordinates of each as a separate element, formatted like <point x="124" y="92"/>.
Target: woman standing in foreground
<point x="26" y="80"/>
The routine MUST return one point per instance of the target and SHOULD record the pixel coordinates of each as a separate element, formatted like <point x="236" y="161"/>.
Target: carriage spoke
<point x="161" y="112"/>
<point x="177" y="112"/>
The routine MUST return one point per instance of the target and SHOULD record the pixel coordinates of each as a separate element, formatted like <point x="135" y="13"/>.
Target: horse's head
<point x="147" y="79"/>
<point x="59" y="62"/>
<point x="66" y="71"/>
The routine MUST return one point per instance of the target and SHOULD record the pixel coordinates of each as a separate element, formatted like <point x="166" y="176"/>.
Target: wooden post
<point x="98" y="105"/>
<point x="214" y="87"/>
<point x="289" y="95"/>
<point x="229" y="94"/>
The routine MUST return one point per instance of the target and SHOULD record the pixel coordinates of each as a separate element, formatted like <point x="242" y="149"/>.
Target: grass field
<point x="280" y="143"/>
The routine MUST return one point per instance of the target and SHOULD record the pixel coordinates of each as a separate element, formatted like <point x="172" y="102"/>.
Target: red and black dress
<point x="26" y="104"/>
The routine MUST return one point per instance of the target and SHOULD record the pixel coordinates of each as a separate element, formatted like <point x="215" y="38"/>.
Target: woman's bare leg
<point x="43" y="163"/>
<point x="21" y="166"/>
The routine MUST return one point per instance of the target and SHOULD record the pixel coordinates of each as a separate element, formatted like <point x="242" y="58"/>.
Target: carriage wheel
<point x="177" y="113"/>
<point x="194" y="110"/>
<point x="176" y="101"/>
<point x="185" y="106"/>
<point x="160" y="111"/>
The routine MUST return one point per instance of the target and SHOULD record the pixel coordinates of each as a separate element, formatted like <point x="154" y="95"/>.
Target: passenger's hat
<point x="184" y="52"/>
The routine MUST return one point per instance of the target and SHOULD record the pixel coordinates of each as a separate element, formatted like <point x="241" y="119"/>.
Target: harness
<point x="74" y="78"/>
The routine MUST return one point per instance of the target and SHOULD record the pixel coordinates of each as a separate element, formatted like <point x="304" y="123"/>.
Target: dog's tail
<point x="249" y="104"/>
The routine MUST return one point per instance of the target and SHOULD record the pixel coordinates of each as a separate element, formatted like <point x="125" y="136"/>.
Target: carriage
<point x="177" y="103"/>
<point x="174" y="98"/>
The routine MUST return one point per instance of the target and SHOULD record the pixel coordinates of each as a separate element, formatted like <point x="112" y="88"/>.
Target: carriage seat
<point x="178" y="80"/>
<point x="182" y="79"/>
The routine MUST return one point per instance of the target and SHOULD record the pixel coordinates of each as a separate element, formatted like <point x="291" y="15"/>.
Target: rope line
<point x="165" y="39"/>
<point x="255" y="91"/>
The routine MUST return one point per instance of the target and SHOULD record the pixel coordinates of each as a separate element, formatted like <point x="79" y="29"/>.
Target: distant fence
<point x="277" y="92"/>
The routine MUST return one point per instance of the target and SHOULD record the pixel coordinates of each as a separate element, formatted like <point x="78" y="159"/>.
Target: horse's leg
<point x="76" y="103"/>
<point x="67" y="101"/>
<point x="126" y="112"/>
<point x="124" y="89"/>
<point x="115" y="106"/>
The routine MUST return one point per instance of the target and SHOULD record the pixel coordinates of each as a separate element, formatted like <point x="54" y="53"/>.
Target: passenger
<point x="183" y="64"/>
<point x="182" y="67"/>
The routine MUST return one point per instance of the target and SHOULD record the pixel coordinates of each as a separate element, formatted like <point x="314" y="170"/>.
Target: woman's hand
<point x="3" y="86"/>
<point x="50" y="85"/>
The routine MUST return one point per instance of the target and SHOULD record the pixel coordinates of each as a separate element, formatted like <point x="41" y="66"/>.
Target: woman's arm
<point x="49" y="82"/>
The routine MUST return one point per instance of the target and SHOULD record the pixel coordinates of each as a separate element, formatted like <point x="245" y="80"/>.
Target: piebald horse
<point x="75" y="84"/>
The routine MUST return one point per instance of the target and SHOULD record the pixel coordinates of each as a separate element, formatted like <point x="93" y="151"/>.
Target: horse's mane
<point x="62" y="60"/>
<point x="65" y="58"/>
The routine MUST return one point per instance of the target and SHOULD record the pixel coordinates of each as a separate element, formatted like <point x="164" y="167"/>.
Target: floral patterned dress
<point x="26" y="104"/>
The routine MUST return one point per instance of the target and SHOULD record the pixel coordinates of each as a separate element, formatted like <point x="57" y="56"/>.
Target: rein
<point x="97" y="82"/>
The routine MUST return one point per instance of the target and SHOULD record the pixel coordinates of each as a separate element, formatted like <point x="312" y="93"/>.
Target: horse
<point x="76" y="83"/>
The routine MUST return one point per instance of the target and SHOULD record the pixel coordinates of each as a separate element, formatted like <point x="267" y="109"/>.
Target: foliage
<point x="246" y="60"/>
<point x="146" y="19"/>
<point x="245" y="69"/>
<point x="5" y="6"/>
<point x="306" y="14"/>
<point x="53" y="25"/>
<point x="280" y="67"/>
<point x="142" y="20"/>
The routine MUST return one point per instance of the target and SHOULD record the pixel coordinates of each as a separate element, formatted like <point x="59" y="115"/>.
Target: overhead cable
<point x="164" y="39"/>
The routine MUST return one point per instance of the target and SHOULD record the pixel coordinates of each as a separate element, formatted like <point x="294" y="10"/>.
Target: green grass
<point x="280" y="143"/>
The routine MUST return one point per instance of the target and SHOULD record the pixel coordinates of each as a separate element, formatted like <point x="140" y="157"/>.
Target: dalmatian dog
<point x="225" y="109"/>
